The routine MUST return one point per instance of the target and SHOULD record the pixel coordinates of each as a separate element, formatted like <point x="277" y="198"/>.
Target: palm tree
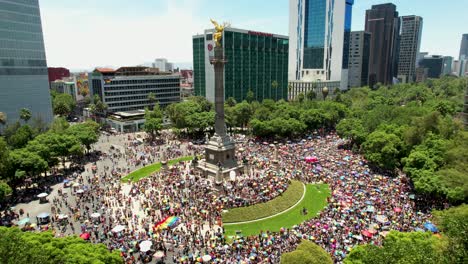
<point x="25" y="114"/>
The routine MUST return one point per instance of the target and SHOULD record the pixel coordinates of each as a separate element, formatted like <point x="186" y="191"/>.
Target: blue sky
<point x="82" y="34"/>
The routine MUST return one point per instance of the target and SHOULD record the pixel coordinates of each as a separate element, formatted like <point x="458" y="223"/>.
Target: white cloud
<point x="85" y="38"/>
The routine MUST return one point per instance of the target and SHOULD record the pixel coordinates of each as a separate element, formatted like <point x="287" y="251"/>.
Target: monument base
<point x="220" y="160"/>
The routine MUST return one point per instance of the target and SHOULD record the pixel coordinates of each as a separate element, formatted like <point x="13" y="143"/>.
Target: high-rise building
<point x="23" y="68"/>
<point x="163" y="65"/>
<point x="127" y="88"/>
<point x="421" y="56"/>
<point x="434" y="64"/>
<point x="463" y="67"/>
<point x="464" y="47"/>
<point x="410" y="42"/>
<point x="57" y="73"/>
<point x="256" y="61"/>
<point x="447" y="68"/>
<point x="421" y="74"/>
<point x="319" y="32"/>
<point x="456" y="67"/>
<point x="359" y="52"/>
<point x="383" y="23"/>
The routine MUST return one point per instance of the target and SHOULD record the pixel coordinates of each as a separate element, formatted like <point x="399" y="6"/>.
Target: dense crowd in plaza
<point x="363" y="206"/>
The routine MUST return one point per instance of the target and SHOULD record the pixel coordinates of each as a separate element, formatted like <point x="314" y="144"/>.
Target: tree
<point x="43" y="248"/>
<point x="4" y="157"/>
<point x="199" y="122"/>
<point x="152" y="99"/>
<point x="250" y="96"/>
<point x="313" y="118"/>
<point x="25" y="114"/>
<point x="63" y="104"/>
<point x="3" y="118"/>
<point x="311" y="95"/>
<point x="5" y="190"/>
<point x="231" y="101"/>
<point x="300" y="97"/>
<point x="243" y="113"/>
<point x="21" y="137"/>
<point x="86" y="133"/>
<point x="59" y="125"/>
<point x="307" y="253"/>
<point x="383" y="149"/>
<point x="153" y="121"/>
<point x="274" y="86"/>
<point x="452" y="222"/>
<point x="400" y="247"/>
<point x="352" y="129"/>
<point x="29" y="162"/>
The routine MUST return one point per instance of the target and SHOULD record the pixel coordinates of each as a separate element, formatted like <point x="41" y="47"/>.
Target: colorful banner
<point x="169" y="221"/>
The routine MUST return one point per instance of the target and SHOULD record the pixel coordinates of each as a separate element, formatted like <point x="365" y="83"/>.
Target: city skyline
<point x="104" y="32"/>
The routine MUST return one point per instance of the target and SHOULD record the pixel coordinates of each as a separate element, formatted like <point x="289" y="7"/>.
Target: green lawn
<point x="148" y="170"/>
<point x="291" y="196"/>
<point x="315" y="200"/>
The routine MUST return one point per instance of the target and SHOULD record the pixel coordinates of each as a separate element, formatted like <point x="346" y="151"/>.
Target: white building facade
<point x="319" y="33"/>
<point x="163" y="65"/>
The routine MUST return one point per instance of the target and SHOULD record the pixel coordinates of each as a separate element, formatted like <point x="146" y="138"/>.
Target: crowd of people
<point x="362" y="208"/>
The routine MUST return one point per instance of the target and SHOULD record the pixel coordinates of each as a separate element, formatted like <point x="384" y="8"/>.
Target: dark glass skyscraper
<point x="314" y="33"/>
<point x="256" y="61"/>
<point x="23" y="68"/>
<point x="383" y="23"/>
<point x="464" y="47"/>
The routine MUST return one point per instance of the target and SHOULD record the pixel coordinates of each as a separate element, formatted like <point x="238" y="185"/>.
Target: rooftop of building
<point x="244" y="31"/>
<point x="132" y="113"/>
<point x="131" y="71"/>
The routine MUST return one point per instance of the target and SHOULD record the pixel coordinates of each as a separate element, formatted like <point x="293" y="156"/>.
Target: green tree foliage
<point x="454" y="226"/>
<point x="59" y="125"/>
<point x="153" y="121"/>
<point x="63" y="104"/>
<point x="250" y="97"/>
<point x="29" y="162"/>
<point x="20" y="137"/>
<point x="307" y="253"/>
<point x="5" y="190"/>
<point x="43" y="248"/>
<point x="152" y="99"/>
<point x="4" y="157"/>
<point x="352" y="129"/>
<point x="399" y="247"/>
<point x="311" y="95"/>
<point x="87" y="133"/>
<point x="242" y="113"/>
<point x="231" y="101"/>
<point x="383" y="149"/>
<point x="3" y="118"/>
<point x="25" y="114"/>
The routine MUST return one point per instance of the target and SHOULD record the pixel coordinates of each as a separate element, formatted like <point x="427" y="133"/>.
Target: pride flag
<point x="169" y="221"/>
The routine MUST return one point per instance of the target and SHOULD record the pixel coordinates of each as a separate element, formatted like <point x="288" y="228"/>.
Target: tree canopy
<point x="307" y="253"/>
<point x="42" y="248"/>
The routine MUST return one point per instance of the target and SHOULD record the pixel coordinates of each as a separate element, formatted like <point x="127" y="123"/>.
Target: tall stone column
<point x="218" y="62"/>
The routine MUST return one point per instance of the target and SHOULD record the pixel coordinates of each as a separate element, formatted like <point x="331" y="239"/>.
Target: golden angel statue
<point x="219" y="31"/>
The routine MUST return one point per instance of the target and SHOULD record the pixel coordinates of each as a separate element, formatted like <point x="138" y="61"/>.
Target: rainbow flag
<point x="167" y="222"/>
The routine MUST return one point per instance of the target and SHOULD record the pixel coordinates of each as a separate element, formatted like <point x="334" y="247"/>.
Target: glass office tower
<point x="256" y="61"/>
<point x="319" y="32"/>
<point x="23" y="67"/>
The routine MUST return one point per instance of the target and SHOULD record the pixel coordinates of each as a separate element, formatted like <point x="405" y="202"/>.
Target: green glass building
<point x="256" y="61"/>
